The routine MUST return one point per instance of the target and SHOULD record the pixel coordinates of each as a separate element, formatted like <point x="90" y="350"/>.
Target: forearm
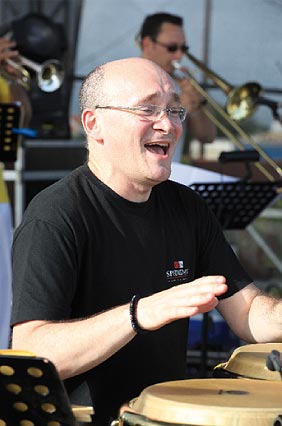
<point x="253" y="316"/>
<point x="265" y="319"/>
<point x="76" y="346"/>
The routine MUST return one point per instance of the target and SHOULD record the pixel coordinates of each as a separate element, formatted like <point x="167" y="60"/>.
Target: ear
<point x="90" y="123"/>
<point x="146" y="42"/>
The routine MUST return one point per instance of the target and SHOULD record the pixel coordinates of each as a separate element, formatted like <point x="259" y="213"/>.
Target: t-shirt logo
<point x="178" y="264"/>
<point x="179" y="273"/>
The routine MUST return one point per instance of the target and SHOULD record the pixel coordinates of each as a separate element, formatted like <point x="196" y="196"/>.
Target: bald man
<point x="111" y="262"/>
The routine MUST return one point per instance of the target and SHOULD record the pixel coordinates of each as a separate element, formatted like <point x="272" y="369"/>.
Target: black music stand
<point x="237" y="204"/>
<point x="32" y="393"/>
<point x="10" y="119"/>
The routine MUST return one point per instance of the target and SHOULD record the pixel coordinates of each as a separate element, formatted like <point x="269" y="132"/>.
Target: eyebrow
<point x="153" y="96"/>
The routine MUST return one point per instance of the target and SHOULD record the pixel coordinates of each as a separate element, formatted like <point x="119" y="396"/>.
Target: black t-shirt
<point x="82" y="249"/>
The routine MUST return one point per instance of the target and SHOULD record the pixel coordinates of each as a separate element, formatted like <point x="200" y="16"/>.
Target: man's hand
<point x="190" y="98"/>
<point x="7" y="53"/>
<point x="182" y="301"/>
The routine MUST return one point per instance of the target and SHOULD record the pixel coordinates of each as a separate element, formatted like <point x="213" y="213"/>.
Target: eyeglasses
<point x="176" y="114"/>
<point x="172" y="47"/>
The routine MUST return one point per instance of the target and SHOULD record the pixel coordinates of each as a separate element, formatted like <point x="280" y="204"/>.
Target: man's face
<point x="169" y="34"/>
<point x="138" y="150"/>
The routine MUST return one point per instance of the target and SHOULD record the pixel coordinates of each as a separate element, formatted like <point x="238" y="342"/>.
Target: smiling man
<point x="147" y="114"/>
<point x="111" y="261"/>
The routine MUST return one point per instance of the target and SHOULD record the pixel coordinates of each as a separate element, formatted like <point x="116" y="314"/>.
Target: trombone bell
<point x="241" y="101"/>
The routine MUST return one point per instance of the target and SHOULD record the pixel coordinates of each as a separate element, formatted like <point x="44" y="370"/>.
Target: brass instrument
<point x="241" y="103"/>
<point x="50" y="74"/>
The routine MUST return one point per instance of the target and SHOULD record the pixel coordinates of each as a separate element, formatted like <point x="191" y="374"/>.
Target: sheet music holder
<point x="237" y="204"/>
<point x="31" y="392"/>
<point x="10" y="118"/>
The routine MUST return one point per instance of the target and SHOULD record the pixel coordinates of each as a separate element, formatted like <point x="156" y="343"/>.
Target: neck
<point x="121" y="185"/>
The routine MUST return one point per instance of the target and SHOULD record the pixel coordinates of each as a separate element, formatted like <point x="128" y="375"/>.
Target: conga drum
<point x="211" y="402"/>
<point x="249" y="362"/>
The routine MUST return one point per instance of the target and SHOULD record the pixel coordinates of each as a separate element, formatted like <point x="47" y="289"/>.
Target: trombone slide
<point x="224" y="115"/>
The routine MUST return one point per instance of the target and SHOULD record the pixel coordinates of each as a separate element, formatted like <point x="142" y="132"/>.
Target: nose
<point x="178" y="54"/>
<point x="164" y="122"/>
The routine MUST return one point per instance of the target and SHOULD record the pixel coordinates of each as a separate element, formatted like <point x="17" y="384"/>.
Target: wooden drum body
<point x="249" y="362"/>
<point x="212" y="402"/>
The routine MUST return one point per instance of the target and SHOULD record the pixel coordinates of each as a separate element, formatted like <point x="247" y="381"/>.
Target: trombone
<point x="241" y="103"/>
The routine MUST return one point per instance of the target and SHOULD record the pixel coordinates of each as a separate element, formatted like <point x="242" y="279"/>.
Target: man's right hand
<point x="181" y="301"/>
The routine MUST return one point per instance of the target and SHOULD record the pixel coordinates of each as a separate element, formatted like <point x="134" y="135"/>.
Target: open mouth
<point x="157" y="148"/>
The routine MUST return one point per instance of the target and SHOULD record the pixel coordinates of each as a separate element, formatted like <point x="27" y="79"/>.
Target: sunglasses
<point x="172" y="47"/>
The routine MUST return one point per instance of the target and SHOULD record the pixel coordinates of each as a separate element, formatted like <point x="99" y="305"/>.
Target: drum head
<point x="249" y="361"/>
<point x="211" y="402"/>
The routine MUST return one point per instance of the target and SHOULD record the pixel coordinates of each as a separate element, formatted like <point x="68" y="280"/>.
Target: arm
<point x="5" y="50"/>
<point x="77" y="346"/>
<point x="15" y="92"/>
<point x="199" y="126"/>
<point x="253" y="316"/>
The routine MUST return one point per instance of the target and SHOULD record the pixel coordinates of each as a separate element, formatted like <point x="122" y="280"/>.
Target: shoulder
<point x="62" y="194"/>
<point x="61" y="204"/>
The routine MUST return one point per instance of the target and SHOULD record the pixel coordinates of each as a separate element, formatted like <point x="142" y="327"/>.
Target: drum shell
<point x="249" y="362"/>
<point x="210" y="402"/>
